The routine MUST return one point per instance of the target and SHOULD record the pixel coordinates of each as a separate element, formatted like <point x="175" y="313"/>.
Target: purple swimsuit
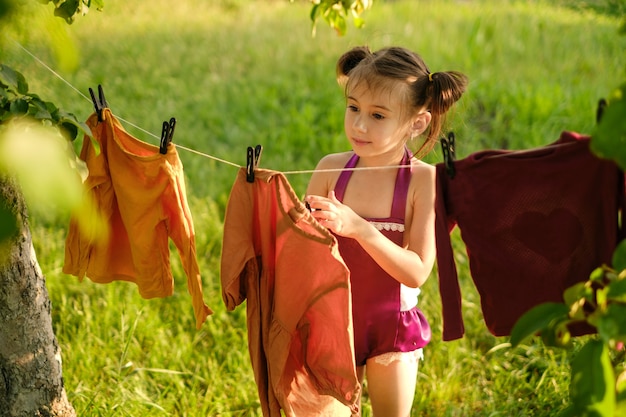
<point x="384" y="311"/>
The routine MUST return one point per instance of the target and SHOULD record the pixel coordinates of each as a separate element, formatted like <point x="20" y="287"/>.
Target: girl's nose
<point x="359" y="123"/>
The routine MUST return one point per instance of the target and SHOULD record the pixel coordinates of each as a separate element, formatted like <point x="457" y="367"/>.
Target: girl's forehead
<point x="388" y="95"/>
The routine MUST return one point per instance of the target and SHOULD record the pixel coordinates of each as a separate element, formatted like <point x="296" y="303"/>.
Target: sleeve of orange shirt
<point x="181" y="231"/>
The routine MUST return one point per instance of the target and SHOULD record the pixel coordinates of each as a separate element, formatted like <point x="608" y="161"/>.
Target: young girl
<point x="384" y="216"/>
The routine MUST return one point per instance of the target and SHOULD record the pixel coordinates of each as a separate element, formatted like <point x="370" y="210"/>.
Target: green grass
<point x="237" y="73"/>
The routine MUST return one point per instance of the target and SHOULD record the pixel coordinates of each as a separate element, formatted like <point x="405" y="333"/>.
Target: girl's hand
<point x="334" y="215"/>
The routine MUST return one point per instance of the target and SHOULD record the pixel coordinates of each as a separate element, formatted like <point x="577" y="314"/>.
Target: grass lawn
<point x="236" y="73"/>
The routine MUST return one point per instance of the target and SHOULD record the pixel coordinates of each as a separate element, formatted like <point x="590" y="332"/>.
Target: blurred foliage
<point x="336" y="13"/>
<point x="35" y="137"/>
<point x="69" y="9"/>
<point x="609" y="139"/>
<point x="598" y="380"/>
<point x="7" y="7"/>
<point x="608" y="7"/>
<point x="17" y="102"/>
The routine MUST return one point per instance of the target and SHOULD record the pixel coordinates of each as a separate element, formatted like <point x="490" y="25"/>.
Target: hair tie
<point x="430" y="77"/>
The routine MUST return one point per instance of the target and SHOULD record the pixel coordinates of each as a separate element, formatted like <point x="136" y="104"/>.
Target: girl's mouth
<point x="359" y="142"/>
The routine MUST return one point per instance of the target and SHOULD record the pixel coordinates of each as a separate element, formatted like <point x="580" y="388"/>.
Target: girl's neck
<point x="390" y="158"/>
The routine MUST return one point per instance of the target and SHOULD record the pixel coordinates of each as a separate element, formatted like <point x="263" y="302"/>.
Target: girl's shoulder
<point x="334" y="160"/>
<point x="420" y="167"/>
<point x="423" y="175"/>
<point x="327" y="172"/>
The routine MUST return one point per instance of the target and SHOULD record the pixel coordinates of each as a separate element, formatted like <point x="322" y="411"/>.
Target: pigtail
<point x="348" y="61"/>
<point x="446" y="88"/>
<point x="443" y="89"/>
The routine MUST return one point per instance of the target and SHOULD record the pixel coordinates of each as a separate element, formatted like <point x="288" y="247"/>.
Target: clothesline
<point x="309" y="171"/>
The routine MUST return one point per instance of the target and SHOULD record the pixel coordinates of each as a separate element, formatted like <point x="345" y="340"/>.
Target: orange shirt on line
<point x="287" y="267"/>
<point x="141" y="195"/>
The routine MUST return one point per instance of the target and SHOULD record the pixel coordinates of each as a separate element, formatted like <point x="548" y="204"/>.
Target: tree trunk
<point x="31" y="380"/>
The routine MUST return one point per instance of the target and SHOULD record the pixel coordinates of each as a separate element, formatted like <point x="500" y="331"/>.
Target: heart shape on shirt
<point x="553" y="236"/>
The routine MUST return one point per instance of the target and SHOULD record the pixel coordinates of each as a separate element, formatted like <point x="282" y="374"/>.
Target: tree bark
<point x="31" y="380"/>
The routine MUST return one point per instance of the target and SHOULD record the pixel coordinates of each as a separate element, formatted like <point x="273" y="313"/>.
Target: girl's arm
<point x="322" y="182"/>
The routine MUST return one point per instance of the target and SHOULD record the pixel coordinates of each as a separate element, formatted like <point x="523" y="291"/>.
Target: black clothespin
<point x="99" y="104"/>
<point x="166" y="135"/>
<point x="449" y="154"/>
<point x="252" y="161"/>
<point x="600" y="111"/>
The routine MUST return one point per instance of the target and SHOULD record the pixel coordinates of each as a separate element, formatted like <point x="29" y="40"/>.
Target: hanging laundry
<point x="534" y="223"/>
<point x="299" y="323"/>
<point x="141" y="193"/>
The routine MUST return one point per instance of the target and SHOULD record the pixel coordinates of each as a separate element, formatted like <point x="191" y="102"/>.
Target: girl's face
<point x="375" y="122"/>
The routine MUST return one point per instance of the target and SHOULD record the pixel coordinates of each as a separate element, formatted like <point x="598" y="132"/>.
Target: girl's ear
<point x="420" y="123"/>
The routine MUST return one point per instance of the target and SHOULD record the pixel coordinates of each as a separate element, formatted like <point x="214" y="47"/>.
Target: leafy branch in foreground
<point x="35" y="147"/>
<point x="598" y="374"/>
<point x="17" y="102"/>
<point x="337" y="12"/>
<point x="68" y="9"/>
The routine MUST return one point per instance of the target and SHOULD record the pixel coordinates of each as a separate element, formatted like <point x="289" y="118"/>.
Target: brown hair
<point x="383" y="69"/>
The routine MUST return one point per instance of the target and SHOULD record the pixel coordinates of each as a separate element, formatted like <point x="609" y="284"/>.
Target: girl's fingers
<point x="332" y="197"/>
<point x="319" y="203"/>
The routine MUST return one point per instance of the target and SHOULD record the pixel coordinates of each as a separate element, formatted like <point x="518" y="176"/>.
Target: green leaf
<point x="576" y="292"/>
<point x="536" y="319"/>
<point x="597" y="275"/>
<point x="38" y="109"/>
<point x="69" y="131"/>
<point x="557" y="334"/>
<point x="601" y="298"/>
<point x="54" y="111"/>
<point x="315" y="12"/>
<point x="6" y="9"/>
<point x="619" y="256"/>
<point x="18" y="107"/>
<point x="620" y="385"/>
<point x="40" y="160"/>
<point x="620" y="409"/>
<point x="13" y="80"/>
<point x="98" y="4"/>
<point x="570" y="411"/>
<point x="67" y="10"/>
<point x="612" y="324"/>
<point x="70" y="123"/>
<point x="616" y="291"/>
<point x="609" y="138"/>
<point x="621" y="394"/>
<point x="336" y="12"/>
<point x="592" y="386"/>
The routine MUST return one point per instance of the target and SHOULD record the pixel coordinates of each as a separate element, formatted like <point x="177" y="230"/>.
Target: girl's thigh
<point x="391" y="381"/>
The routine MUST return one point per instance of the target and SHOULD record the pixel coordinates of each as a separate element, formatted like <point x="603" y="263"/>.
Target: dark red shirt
<point x="534" y="223"/>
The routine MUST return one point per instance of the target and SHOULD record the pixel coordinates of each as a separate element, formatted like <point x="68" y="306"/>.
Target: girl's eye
<point x="353" y="108"/>
<point x="378" y="116"/>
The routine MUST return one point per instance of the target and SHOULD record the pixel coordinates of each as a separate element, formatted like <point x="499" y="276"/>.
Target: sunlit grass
<point x="237" y="73"/>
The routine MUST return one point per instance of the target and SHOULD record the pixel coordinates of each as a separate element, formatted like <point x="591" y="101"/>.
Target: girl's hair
<point x="383" y="69"/>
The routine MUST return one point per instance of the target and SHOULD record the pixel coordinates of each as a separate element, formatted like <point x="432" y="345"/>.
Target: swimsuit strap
<point x="400" y="193"/>
<point x="344" y="177"/>
<point x="403" y="179"/>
